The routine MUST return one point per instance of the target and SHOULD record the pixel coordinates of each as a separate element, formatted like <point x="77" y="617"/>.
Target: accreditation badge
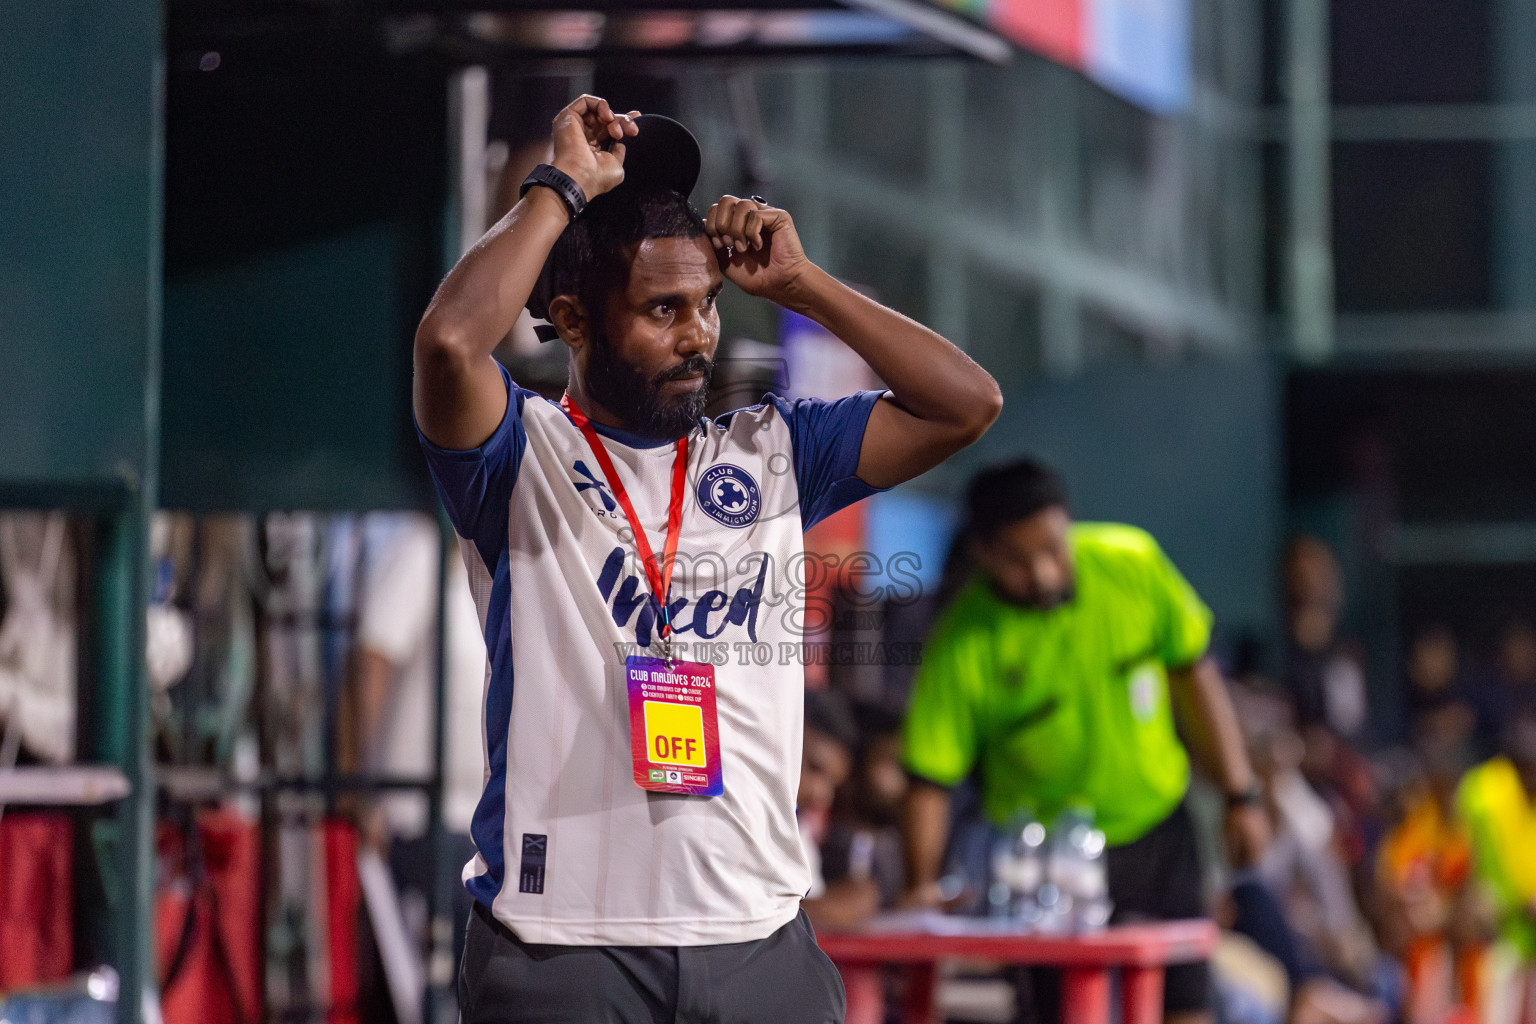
<point x="674" y="734"/>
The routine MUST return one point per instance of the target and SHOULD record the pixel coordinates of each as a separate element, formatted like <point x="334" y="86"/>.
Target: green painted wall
<point x="79" y="235"/>
<point x="1190" y="452"/>
<point x="287" y="379"/>
<point x="305" y="185"/>
<point x="81" y="141"/>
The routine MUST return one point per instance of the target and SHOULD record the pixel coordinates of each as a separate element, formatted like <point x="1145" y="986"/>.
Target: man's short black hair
<point x="1010" y="493"/>
<point x="589" y="260"/>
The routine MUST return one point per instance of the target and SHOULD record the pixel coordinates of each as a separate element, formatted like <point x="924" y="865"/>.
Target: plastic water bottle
<point x="1077" y="872"/>
<point x="1018" y="870"/>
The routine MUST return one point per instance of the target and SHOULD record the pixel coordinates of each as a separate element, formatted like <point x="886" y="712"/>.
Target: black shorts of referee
<point x="1154" y="878"/>
<point x="782" y="979"/>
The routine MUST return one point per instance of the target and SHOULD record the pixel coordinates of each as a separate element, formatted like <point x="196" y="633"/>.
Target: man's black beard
<point x="623" y="390"/>
<point x="1033" y="602"/>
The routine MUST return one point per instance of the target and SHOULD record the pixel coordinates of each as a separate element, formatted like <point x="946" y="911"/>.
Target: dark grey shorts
<point x="783" y="979"/>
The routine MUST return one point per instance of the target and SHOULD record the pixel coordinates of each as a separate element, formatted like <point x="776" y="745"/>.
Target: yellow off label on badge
<point x="674" y="733"/>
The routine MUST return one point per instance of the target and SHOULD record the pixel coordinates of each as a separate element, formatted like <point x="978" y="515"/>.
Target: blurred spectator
<point x="864" y="839"/>
<point x="1326" y="679"/>
<point x="1253" y="912"/>
<point x="1497" y="803"/>
<point x="1422" y="869"/>
<point x="826" y="762"/>
<point x="1512" y="686"/>
<point x="1251" y="985"/>
<point x="389" y="718"/>
<point x="1304" y="865"/>
<point x="1342" y="776"/>
<point x="1517" y="662"/>
<point x="392" y="677"/>
<point x="1439" y="705"/>
<point x="1323" y="672"/>
<point x="1056" y="673"/>
<point x="1298" y="904"/>
<point x="859" y="852"/>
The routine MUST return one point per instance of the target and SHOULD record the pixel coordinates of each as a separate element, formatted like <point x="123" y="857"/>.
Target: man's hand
<point x="927" y="896"/>
<point x="759" y="249"/>
<point x="589" y="144"/>
<point x="939" y="399"/>
<point x="1247" y="833"/>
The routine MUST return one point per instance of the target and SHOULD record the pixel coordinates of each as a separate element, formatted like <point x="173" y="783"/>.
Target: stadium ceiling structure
<point x="1139" y="50"/>
<point x="482" y="30"/>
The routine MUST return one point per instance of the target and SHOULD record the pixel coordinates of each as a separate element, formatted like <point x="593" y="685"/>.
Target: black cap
<point x="662" y="153"/>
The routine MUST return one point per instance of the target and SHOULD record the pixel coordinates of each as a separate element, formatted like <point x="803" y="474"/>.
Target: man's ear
<point x="570" y="320"/>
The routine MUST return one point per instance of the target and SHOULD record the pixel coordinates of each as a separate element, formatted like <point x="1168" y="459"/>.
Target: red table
<point x="1140" y="951"/>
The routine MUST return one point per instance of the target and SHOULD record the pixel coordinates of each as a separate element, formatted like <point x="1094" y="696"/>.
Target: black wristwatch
<point x="563" y="185"/>
<point x="1250" y="797"/>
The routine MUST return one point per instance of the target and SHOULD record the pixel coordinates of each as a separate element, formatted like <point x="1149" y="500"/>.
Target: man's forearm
<point x="1214" y="723"/>
<point x="926" y="829"/>
<point x="366" y="695"/>
<point x="927" y="375"/>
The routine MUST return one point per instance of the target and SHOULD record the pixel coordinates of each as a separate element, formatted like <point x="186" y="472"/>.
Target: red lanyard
<point x="659" y="575"/>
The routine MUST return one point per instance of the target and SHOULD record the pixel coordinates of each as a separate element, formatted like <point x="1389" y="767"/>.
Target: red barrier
<point x="36" y="872"/>
<point x="1140" y="951"/>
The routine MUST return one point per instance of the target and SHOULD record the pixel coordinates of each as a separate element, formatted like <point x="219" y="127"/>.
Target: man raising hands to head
<point x="638" y="857"/>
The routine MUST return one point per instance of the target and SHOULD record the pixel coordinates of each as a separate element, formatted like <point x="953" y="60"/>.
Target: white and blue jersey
<point x="571" y="851"/>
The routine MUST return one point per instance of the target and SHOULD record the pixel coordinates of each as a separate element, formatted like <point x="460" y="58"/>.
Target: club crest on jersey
<point x="730" y="495"/>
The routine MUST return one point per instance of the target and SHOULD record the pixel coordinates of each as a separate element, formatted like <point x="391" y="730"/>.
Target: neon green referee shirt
<point x="1067" y="707"/>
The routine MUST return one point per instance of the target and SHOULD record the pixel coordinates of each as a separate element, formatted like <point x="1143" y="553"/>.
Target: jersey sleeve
<point x="941" y="737"/>
<point x="826" y="438"/>
<point x="475" y="485"/>
<point x="1183" y="620"/>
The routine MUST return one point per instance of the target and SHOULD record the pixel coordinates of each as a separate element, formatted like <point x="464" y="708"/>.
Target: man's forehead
<point x="662" y="264"/>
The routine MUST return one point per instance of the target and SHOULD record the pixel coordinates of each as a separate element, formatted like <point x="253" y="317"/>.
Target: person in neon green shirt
<point x="1497" y="804"/>
<point x="1055" y="676"/>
